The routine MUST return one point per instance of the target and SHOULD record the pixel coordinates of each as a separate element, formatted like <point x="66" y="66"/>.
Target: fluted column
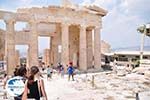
<point x="46" y="57"/>
<point x="51" y="51"/>
<point x="97" y="50"/>
<point x="10" y="47"/>
<point x="82" y="49"/>
<point x="33" y="47"/>
<point x="17" y="57"/>
<point x="89" y="48"/>
<point x="56" y="40"/>
<point x="65" y="44"/>
<point x="28" y="57"/>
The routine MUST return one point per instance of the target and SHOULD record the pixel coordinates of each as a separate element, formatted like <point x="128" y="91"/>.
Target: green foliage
<point x="141" y="29"/>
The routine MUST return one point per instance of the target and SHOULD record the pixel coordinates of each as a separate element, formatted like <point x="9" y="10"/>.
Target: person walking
<point x="70" y="70"/>
<point x="62" y="71"/>
<point x="49" y="72"/>
<point x="5" y="78"/>
<point x="34" y="86"/>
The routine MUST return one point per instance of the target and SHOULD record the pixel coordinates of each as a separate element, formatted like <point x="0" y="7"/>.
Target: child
<point x="70" y="70"/>
<point x="49" y="72"/>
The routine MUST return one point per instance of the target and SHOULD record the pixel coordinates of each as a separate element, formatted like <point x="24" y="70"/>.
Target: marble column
<point x="17" y="57"/>
<point x="97" y="50"/>
<point x="65" y="44"/>
<point x="10" y="47"/>
<point x="89" y="49"/>
<point x="33" y="47"/>
<point x="28" y="58"/>
<point x="55" y="42"/>
<point x="51" y="51"/>
<point x="46" y="57"/>
<point x="54" y="50"/>
<point x="82" y="49"/>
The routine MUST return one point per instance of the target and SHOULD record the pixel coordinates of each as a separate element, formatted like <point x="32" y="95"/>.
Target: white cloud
<point x="119" y="25"/>
<point x="12" y="6"/>
<point x="122" y="20"/>
<point x="104" y="3"/>
<point x="26" y="1"/>
<point x="86" y="2"/>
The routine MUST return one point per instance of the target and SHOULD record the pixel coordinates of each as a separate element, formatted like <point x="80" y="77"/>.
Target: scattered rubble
<point x="110" y="86"/>
<point x="105" y="85"/>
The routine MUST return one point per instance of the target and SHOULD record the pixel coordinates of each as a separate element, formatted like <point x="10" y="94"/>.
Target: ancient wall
<point x="66" y="26"/>
<point x="105" y="47"/>
<point x="74" y="44"/>
<point x="2" y="45"/>
<point x="17" y="57"/>
<point x="46" y="57"/>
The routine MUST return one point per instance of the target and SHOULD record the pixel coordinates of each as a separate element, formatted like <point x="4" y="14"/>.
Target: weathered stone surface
<point x="147" y="74"/>
<point x="111" y="86"/>
<point x="66" y="25"/>
<point x="144" y="95"/>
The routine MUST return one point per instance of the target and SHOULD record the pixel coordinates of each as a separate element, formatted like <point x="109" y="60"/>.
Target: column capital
<point x="83" y="26"/>
<point x="65" y="24"/>
<point x="89" y="28"/>
<point x="32" y="21"/>
<point x="98" y="27"/>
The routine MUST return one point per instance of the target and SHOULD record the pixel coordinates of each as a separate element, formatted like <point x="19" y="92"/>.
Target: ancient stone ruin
<point x="75" y="28"/>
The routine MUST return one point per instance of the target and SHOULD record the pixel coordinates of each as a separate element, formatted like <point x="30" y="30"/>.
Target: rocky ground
<point x="99" y="86"/>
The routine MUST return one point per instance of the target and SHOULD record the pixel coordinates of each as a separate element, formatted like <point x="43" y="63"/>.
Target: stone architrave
<point x="10" y="47"/>
<point x="97" y="51"/>
<point x="89" y="49"/>
<point x="83" y="49"/>
<point x="33" y="47"/>
<point x="65" y="45"/>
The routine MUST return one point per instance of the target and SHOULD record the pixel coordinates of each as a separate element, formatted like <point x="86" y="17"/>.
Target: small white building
<point x="127" y="57"/>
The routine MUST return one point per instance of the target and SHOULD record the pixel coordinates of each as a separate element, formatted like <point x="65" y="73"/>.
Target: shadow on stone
<point x="107" y="67"/>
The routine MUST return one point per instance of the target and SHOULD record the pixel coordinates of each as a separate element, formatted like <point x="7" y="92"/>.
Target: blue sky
<point x="119" y="25"/>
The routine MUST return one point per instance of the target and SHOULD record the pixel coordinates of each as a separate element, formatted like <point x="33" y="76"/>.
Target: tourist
<point x="59" y="67"/>
<point x="128" y="68"/>
<point x="70" y="70"/>
<point x="62" y="72"/>
<point x="49" y="72"/>
<point x="115" y="67"/>
<point x="34" y="86"/>
<point x="43" y="66"/>
<point x="4" y="85"/>
<point x="15" y="71"/>
<point x="21" y="71"/>
<point x="5" y="78"/>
